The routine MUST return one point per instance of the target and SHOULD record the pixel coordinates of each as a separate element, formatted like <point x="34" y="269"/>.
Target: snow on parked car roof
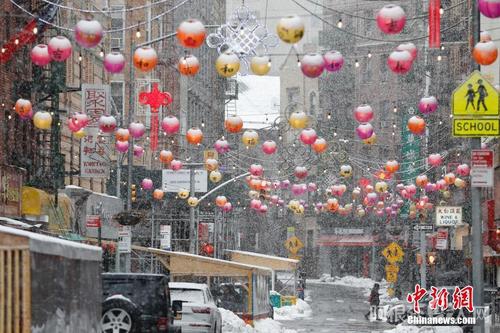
<point x="56" y="246"/>
<point x="187" y="285"/>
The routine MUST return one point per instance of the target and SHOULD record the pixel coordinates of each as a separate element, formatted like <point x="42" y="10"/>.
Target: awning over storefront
<point x="38" y="205"/>
<point x="346" y="240"/>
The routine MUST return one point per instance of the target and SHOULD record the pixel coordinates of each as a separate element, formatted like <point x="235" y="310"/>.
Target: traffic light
<point x="133" y="193"/>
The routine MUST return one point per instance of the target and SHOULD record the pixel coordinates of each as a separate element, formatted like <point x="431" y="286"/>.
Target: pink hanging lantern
<point x="434" y="160"/>
<point x="411" y="189"/>
<point x="489" y="8"/>
<point x="255" y="204"/>
<point x="138" y="151"/>
<point x="121" y="146"/>
<point x="274" y="199"/>
<point x="40" y="55"/>
<point x="430" y="187"/>
<point x="311" y="187"/>
<point x="363" y="113"/>
<point x="298" y="189"/>
<point x="410" y="47"/>
<point x="463" y="170"/>
<point x="269" y="147"/>
<point x="72" y="126"/>
<point x="364" y="131"/>
<point x="400" y="62"/>
<point x="391" y="19"/>
<point x="221" y="146"/>
<point x="147" y="184"/>
<point x="285" y="184"/>
<point x="300" y="172"/>
<point x="333" y="61"/>
<point x="176" y="165"/>
<point x="88" y="33"/>
<point x="136" y="129"/>
<point x="428" y="105"/>
<point x="114" y="62"/>
<point x="227" y="207"/>
<point x="263" y="209"/>
<point x="312" y="65"/>
<point x="308" y="136"/>
<point x="107" y="124"/>
<point x="59" y="48"/>
<point x="256" y="170"/>
<point x="281" y="202"/>
<point x="170" y="124"/>
<point x="338" y="190"/>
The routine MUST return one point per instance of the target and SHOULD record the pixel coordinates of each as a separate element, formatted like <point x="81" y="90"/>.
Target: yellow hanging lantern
<point x="371" y="140"/>
<point x="290" y="29"/>
<point x="298" y="120"/>
<point x="260" y="65"/>
<point x="381" y="187"/>
<point x="80" y="134"/>
<point x="250" y="138"/>
<point x="183" y="193"/>
<point x="215" y="176"/>
<point x="193" y="201"/>
<point x="227" y="64"/>
<point x="42" y="120"/>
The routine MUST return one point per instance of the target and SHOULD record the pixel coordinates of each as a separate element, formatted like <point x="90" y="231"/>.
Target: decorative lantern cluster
<point x="312" y="65"/>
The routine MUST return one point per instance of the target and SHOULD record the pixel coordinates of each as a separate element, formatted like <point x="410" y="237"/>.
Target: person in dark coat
<point x="374" y="300"/>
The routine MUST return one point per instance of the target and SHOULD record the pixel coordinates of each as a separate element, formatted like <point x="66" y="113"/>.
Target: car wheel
<point x="119" y="316"/>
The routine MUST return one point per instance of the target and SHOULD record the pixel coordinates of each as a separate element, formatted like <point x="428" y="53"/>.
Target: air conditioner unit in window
<point x="116" y="43"/>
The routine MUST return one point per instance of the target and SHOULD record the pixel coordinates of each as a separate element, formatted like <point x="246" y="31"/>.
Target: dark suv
<point x="134" y="303"/>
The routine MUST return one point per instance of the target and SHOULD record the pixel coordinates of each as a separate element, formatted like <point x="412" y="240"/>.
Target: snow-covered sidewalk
<point x="231" y="323"/>
<point x="292" y="312"/>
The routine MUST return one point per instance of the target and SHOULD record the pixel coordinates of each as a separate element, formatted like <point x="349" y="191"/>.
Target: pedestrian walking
<point x="374" y="300"/>
<point x="481" y="91"/>
<point x="471" y="94"/>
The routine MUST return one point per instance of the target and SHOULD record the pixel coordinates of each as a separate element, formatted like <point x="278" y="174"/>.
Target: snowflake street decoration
<point x="244" y="36"/>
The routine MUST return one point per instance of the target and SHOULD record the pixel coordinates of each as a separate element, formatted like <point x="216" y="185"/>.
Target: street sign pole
<point x="423" y="264"/>
<point x="477" y="242"/>
<point x="192" y="226"/>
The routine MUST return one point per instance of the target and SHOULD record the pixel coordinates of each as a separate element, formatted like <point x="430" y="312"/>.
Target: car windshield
<point x="187" y="295"/>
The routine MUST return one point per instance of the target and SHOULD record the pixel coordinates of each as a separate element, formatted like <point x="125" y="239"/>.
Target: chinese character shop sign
<point x="448" y="216"/>
<point x="95" y="102"/>
<point x="94" y="148"/>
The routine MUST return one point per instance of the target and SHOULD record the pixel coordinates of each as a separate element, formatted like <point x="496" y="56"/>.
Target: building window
<point x="293" y="94"/>
<point x="313" y="103"/>
<point x="117" y="93"/>
<point x="117" y="22"/>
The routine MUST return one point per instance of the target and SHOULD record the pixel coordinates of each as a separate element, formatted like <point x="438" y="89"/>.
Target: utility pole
<point x="192" y="222"/>
<point x="477" y="232"/>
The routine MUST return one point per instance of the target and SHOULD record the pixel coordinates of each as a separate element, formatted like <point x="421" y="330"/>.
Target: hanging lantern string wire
<point x="134" y="26"/>
<point x="372" y="38"/>
<point x="422" y="16"/>
<point x="108" y="11"/>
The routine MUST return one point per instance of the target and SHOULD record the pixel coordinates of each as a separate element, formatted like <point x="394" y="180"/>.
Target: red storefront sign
<point x="11" y="183"/>
<point x="93" y="221"/>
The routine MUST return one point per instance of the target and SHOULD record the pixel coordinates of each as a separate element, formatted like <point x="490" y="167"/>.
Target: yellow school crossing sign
<point x="475" y="107"/>
<point x="393" y="253"/>
<point x="293" y="245"/>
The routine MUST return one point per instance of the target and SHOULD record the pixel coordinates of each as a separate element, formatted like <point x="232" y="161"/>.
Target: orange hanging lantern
<point x="188" y="65"/>
<point x="391" y="166"/>
<point x="320" y="145"/>
<point x="191" y="33"/>
<point x="220" y="201"/>
<point x="233" y="124"/>
<point x="166" y="156"/>
<point x="122" y="134"/>
<point x="416" y="125"/>
<point x="194" y="136"/>
<point x="158" y="194"/>
<point x="332" y="205"/>
<point x="485" y="52"/>
<point x="145" y="59"/>
<point x="449" y="178"/>
<point x="23" y="107"/>
<point x="421" y="181"/>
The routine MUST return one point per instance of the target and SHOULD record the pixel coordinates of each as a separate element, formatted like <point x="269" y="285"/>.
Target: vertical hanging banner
<point x="434" y="24"/>
<point x="95" y="102"/>
<point x="155" y="99"/>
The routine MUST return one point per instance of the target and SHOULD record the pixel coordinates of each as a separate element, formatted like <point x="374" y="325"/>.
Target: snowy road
<point x="336" y="309"/>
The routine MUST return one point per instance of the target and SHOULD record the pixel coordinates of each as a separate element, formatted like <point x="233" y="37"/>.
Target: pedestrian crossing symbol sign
<point x="475" y="98"/>
<point x="393" y="253"/>
<point x="293" y="244"/>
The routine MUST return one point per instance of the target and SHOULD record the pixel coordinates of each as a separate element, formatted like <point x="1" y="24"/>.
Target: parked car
<point x="199" y="309"/>
<point x="134" y="303"/>
<point x="234" y="297"/>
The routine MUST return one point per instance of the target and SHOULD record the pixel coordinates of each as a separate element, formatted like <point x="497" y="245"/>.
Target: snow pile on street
<point x="291" y="312"/>
<point x="231" y="323"/>
<point x="415" y="329"/>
